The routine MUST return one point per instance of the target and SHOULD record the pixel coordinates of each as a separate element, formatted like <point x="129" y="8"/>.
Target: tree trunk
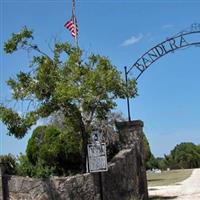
<point x="77" y="117"/>
<point x="84" y="153"/>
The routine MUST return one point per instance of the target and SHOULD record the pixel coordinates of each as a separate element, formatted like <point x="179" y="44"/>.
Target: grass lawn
<point x="168" y="177"/>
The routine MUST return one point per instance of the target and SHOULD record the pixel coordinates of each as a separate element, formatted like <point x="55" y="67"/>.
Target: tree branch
<point x="36" y="48"/>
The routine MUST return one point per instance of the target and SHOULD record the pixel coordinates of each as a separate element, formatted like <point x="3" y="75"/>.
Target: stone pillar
<point x="1" y="180"/>
<point x="130" y="133"/>
<point x="131" y="137"/>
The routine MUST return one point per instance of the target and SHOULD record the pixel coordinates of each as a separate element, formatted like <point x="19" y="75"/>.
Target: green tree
<point x="26" y="168"/>
<point x="107" y="128"/>
<point x="81" y="89"/>
<point x="10" y="163"/>
<point x="161" y="163"/>
<point x="184" y="155"/>
<point x="55" y="149"/>
<point x="147" y="151"/>
<point x="152" y="163"/>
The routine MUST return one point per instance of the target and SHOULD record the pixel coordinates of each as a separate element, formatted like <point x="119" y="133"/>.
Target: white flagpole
<point x="75" y="22"/>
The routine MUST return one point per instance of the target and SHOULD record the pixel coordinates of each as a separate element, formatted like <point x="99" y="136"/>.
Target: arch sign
<point x="186" y="38"/>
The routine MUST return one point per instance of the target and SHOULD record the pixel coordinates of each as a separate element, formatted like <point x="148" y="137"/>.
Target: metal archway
<point x="186" y="38"/>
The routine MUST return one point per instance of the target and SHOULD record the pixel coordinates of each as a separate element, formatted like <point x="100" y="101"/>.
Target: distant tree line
<point x="184" y="156"/>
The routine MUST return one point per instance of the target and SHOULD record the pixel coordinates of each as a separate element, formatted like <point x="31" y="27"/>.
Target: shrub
<point x="10" y="163"/>
<point x="26" y="168"/>
<point x="56" y="151"/>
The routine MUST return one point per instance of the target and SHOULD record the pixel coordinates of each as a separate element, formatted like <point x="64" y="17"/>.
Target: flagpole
<point x="75" y="22"/>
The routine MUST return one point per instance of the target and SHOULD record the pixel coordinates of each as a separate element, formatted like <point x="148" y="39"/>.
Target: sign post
<point x="97" y="158"/>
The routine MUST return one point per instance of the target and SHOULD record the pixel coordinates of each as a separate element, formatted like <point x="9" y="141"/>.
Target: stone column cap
<point x="133" y="123"/>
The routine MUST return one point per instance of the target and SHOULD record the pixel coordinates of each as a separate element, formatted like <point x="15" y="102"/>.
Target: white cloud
<point x="132" y="40"/>
<point x="166" y="26"/>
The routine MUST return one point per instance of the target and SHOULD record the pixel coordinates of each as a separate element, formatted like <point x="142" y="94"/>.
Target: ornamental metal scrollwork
<point x="188" y="37"/>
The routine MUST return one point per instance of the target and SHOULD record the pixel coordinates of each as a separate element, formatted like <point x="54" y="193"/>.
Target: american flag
<point x="71" y="25"/>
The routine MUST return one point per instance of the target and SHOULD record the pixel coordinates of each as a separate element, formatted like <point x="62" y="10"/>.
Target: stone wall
<point x="124" y="180"/>
<point x="1" y="180"/>
<point x="66" y="188"/>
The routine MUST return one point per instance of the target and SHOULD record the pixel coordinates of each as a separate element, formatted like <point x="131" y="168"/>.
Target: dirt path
<point x="188" y="189"/>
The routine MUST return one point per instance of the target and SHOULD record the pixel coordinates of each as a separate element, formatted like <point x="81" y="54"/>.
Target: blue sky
<point x="169" y="96"/>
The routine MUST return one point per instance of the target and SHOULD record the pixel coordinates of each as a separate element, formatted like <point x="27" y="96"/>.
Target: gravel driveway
<point x="188" y="189"/>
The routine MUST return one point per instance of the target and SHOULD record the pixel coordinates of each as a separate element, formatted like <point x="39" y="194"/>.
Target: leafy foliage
<point x="88" y="87"/>
<point x="58" y="150"/>
<point x="81" y="89"/>
<point x="10" y="163"/>
<point x="147" y="150"/>
<point x="26" y="168"/>
<point x="107" y="128"/>
<point x="184" y="155"/>
<point x="18" y="40"/>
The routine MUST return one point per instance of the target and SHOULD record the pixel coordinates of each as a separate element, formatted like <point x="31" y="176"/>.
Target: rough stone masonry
<point x="124" y="180"/>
